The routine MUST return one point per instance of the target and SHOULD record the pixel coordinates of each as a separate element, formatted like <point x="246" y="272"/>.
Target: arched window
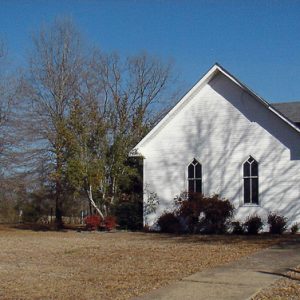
<point x="251" y="181"/>
<point x="195" y="177"/>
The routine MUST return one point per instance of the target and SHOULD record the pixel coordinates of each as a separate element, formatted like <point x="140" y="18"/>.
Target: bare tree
<point x="7" y="94"/>
<point x="118" y="102"/>
<point x="86" y="110"/>
<point x="55" y="68"/>
<point x="11" y="183"/>
<point x="138" y="90"/>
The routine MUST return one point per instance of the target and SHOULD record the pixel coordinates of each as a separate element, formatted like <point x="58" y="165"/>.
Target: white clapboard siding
<point x="220" y="125"/>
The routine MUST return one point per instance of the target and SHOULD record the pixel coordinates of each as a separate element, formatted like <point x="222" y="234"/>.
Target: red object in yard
<point x="110" y="223"/>
<point x="93" y="222"/>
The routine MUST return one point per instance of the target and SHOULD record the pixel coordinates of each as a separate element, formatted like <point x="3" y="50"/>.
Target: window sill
<point x="250" y="205"/>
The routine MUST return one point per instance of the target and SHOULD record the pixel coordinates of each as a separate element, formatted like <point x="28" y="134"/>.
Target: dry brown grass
<point x="287" y="288"/>
<point x="98" y="265"/>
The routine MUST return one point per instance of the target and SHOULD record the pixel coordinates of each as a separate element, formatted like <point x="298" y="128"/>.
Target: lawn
<point x="101" y="265"/>
<point x="283" y="289"/>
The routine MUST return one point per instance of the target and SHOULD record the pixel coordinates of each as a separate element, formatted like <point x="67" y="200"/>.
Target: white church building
<point x="221" y="138"/>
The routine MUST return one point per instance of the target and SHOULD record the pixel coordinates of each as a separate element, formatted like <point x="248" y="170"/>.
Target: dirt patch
<point x="100" y="265"/>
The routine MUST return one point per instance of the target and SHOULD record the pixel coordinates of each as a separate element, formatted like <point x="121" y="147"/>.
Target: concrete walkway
<point x="238" y="280"/>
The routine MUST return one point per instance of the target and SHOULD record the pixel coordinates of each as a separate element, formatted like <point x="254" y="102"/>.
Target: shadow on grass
<point x="43" y="227"/>
<point x="223" y="239"/>
<point x="294" y="270"/>
<point x="285" y="275"/>
<point x="273" y="240"/>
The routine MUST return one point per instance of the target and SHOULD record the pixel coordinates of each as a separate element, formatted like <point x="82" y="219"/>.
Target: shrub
<point x="31" y="212"/>
<point x="209" y="215"/>
<point x="93" y="222"/>
<point x="188" y="213"/>
<point x="129" y="212"/>
<point x="169" y="223"/>
<point x="110" y="223"/>
<point x="253" y="224"/>
<point x="237" y="227"/>
<point x="9" y="211"/>
<point x="295" y="228"/>
<point x="277" y="223"/>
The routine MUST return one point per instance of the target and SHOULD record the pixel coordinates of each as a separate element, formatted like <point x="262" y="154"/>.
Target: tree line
<point x="69" y="119"/>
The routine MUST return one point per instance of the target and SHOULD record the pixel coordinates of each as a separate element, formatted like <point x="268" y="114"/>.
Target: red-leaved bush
<point x="277" y="223"/>
<point x="198" y="214"/>
<point x="169" y="223"/>
<point x="253" y="224"/>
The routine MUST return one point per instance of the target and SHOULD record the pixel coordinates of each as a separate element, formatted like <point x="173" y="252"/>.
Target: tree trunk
<point x="90" y="208"/>
<point x="92" y="202"/>
<point x="58" y="196"/>
<point x="113" y="190"/>
<point x="58" y="207"/>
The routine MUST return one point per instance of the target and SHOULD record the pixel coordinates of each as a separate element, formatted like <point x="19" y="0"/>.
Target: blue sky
<point x="257" y="41"/>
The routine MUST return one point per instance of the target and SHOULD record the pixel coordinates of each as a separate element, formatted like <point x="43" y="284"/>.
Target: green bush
<point x="237" y="227"/>
<point x="295" y="228"/>
<point x="31" y="212"/>
<point x="277" y="223"/>
<point x="9" y="211"/>
<point x="253" y="224"/>
<point x="169" y="223"/>
<point x="129" y="212"/>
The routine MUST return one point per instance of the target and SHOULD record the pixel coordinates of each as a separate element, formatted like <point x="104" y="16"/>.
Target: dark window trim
<point x="195" y="179"/>
<point x="252" y="178"/>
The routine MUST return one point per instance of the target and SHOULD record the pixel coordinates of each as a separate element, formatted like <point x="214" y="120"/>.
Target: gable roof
<point x="212" y="72"/>
<point x="291" y="110"/>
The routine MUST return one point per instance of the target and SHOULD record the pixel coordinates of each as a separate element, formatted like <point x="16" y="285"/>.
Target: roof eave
<point x="207" y="76"/>
<point x="216" y="68"/>
<point x="135" y="153"/>
<point x="264" y="102"/>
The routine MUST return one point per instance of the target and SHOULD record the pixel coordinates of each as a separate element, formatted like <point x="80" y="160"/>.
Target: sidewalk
<point x="235" y="281"/>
